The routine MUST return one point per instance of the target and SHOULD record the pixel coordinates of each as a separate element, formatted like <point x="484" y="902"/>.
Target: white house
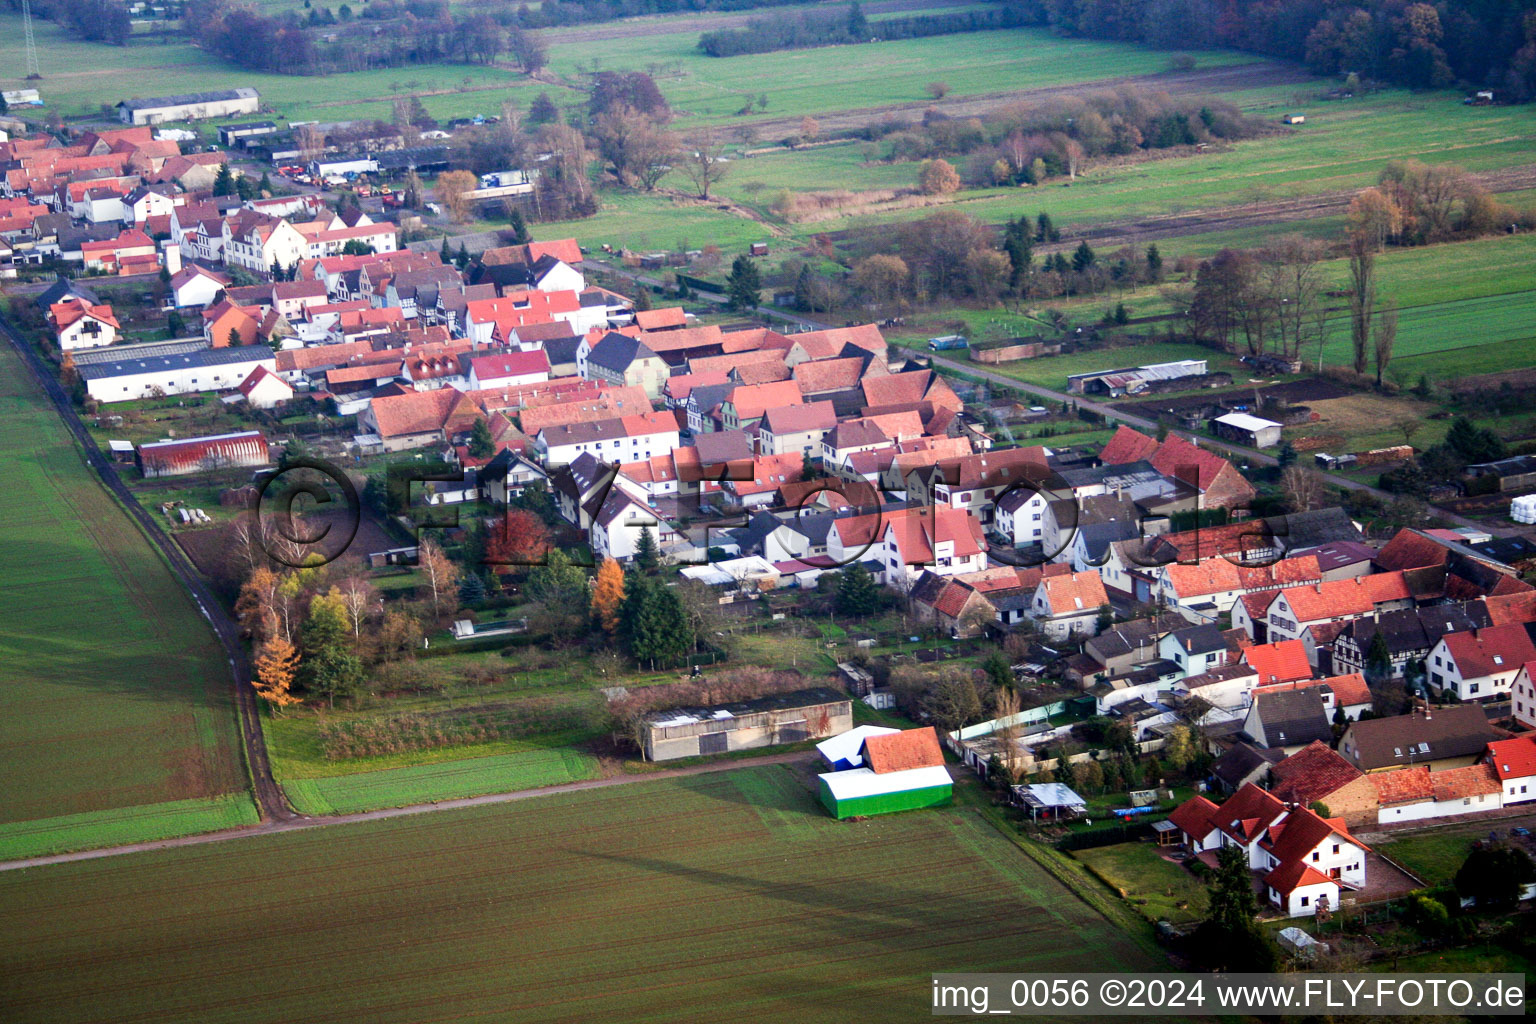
<point x="1069" y="605"/>
<point x="620" y="520"/>
<point x="508" y="370"/>
<point x="1196" y="650"/>
<point x="1415" y="793"/>
<point x="196" y="287"/>
<point x="79" y="324"/>
<point x="1019" y="516"/>
<point x="622" y="439"/>
<point x="1514" y="761"/>
<point x="1304" y="861"/>
<point x="1479" y="664"/>
<point x="264" y="389"/>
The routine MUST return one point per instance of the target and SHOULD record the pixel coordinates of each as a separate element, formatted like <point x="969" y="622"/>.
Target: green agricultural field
<point x="116" y="708"/>
<point x="1343" y="146"/>
<point x="445" y="780"/>
<point x="709" y="90"/>
<point x="1052" y="371"/>
<point x="729" y="896"/>
<point x="80" y="77"/>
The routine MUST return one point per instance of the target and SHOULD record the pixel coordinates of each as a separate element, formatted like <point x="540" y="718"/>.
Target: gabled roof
<point x="1195" y="817"/>
<point x="794" y="419"/>
<point x="1291" y="717"/>
<point x="1074" y="593"/>
<point x="1239" y="762"/>
<point x="906" y="389"/>
<point x="510" y="364"/>
<point x="656" y="319"/>
<point x="1127" y="445"/>
<point x="1311" y="774"/>
<point x="1513" y="759"/>
<point x="1461" y="730"/>
<point x="1356" y="595"/>
<point x="1490" y="650"/>
<point x="1279" y="662"/>
<point x="1247" y="813"/>
<point x="903" y="751"/>
<point x="259" y="375"/>
<point x="1202" y="639"/>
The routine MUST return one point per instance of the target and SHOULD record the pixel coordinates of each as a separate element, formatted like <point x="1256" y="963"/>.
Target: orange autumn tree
<point x="276" y="666"/>
<point x="608" y="595"/>
<point x="257" y="604"/>
<point x="518" y="540"/>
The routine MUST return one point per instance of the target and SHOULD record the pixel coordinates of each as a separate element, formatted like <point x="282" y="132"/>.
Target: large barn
<point x="120" y="373"/>
<point x="781" y="718"/>
<point x="203" y="454"/>
<point x="192" y="106"/>
<point x="902" y="771"/>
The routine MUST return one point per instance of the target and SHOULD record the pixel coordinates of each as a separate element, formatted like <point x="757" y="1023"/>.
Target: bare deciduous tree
<point x="439" y="574"/>
<point x="1304" y="488"/>
<point x="1385" y="339"/>
<point x="703" y="161"/>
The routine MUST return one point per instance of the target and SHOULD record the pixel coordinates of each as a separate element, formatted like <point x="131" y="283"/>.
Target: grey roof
<point x="189" y="98"/>
<point x="1417" y="629"/>
<point x="246" y="126"/>
<point x="1097" y="537"/>
<point x="1292" y="718"/>
<point x="1314" y="528"/>
<point x="707" y="396"/>
<point x="200" y="357"/>
<point x="1458" y="731"/>
<point x="618" y="351"/>
<point x="1205" y="639"/>
<point x="561" y="350"/>
<point x="1125" y="475"/>
<point x="62" y="289"/>
<point x="1238" y="764"/>
<point x="411" y="156"/>
<point x="721" y="446"/>
<point x="116" y="353"/>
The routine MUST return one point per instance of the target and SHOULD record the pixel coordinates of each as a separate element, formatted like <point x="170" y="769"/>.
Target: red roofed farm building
<point x="203" y="454"/>
<point x="903" y="771"/>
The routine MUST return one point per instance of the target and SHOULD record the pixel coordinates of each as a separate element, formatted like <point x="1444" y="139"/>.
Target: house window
<point x="1305" y="900"/>
<point x="1316" y="856"/>
<point x="1335" y="849"/>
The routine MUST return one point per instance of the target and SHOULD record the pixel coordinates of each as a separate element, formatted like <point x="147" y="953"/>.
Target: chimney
<point x="172" y="258"/>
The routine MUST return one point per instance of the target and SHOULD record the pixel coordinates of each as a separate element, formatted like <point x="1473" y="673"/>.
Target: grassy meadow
<point x="709" y="90"/>
<point x="116" y="698"/>
<point x="730" y="896"/>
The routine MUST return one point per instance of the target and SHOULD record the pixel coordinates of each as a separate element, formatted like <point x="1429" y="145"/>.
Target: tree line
<point x="1470" y="43"/>
<point x="423" y="32"/>
<point x="1029" y="143"/>
<point x="791" y="30"/>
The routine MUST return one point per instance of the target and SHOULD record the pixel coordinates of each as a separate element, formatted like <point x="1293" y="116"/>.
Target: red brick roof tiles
<point x="903" y="751"/>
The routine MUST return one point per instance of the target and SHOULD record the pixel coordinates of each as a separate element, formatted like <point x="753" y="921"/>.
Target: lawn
<point x="1159" y="890"/>
<point x="1433" y="856"/>
<point x="116" y="697"/>
<point x="760" y="907"/>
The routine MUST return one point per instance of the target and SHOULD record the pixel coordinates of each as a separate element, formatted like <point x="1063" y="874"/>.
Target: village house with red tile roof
<point x="1303" y="860"/>
<point x="1480" y="664"/>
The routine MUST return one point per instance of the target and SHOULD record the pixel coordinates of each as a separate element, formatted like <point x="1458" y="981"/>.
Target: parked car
<point x="1520" y="830"/>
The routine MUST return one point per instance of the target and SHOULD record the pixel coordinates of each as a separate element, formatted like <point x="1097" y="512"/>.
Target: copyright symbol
<point x="281" y="528"/>
<point x="1112" y="992"/>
